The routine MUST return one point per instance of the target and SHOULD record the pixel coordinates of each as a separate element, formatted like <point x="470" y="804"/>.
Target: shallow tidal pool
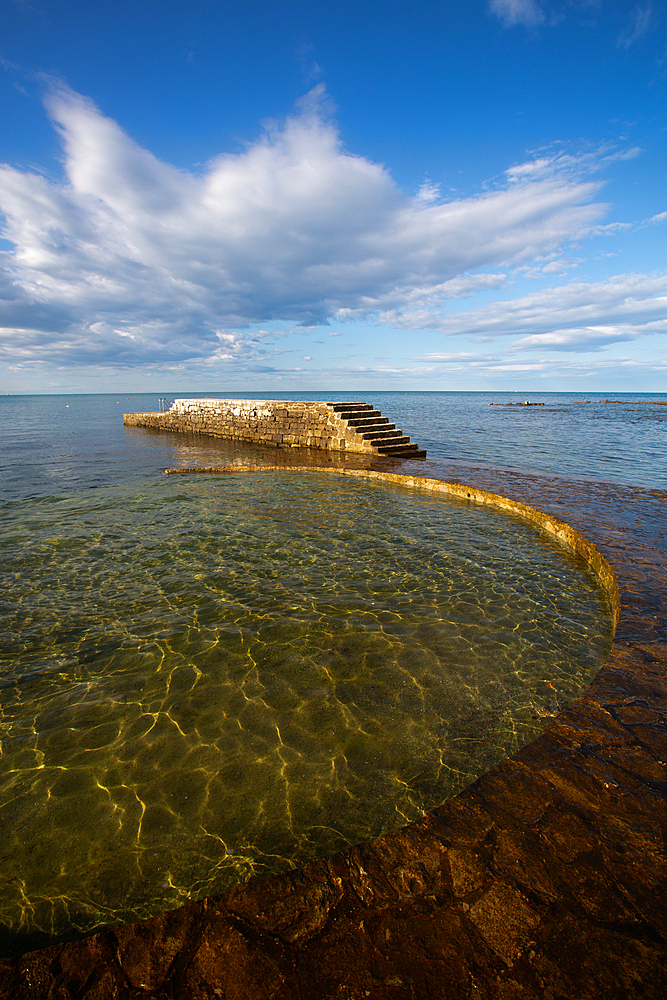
<point x="211" y="678"/>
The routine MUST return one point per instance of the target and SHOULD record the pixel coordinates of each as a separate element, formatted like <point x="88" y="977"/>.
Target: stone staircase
<point x="376" y="431"/>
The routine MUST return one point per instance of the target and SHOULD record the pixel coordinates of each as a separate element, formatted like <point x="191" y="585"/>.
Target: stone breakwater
<point x="348" y="427"/>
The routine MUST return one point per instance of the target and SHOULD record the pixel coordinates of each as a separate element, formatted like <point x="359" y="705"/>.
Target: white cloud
<point x="559" y="266"/>
<point x="581" y="339"/>
<point x="428" y="192"/>
<point x="517" y="11"/>
<point x="640" y="22"/>
<point x="489" y="369"/>
<point x="129" y="259"/>
<point x="578" y="316"/>
<point x="310" y="70"/>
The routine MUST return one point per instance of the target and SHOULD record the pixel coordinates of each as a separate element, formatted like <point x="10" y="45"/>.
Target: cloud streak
<point x="578" y="316"/>
<point x="513" y="12"/>
<point x="127" y="259"/>
<point x="640" y="23"/>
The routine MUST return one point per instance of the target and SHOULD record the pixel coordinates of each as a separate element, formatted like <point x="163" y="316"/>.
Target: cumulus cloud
<point x="578" y="316"/>
<point x="128" y="259"/>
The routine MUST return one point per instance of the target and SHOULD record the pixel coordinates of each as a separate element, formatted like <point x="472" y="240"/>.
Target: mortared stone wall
<point x="282" y="423"/>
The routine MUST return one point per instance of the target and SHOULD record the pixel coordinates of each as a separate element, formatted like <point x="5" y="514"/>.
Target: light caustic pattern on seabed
<point x="208" y="679"/>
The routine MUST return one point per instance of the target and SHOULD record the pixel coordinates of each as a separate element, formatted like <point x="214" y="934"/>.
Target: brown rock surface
<point x="546" y="878"/>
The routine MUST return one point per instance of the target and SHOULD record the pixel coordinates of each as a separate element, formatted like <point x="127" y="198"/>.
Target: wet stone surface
<point x="546" y="878"/>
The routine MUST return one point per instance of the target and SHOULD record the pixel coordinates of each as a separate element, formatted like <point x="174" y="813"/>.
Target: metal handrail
<point x="164" y="404"/>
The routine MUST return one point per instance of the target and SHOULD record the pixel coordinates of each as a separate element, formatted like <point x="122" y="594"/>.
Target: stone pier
<point x="349" y="427"/>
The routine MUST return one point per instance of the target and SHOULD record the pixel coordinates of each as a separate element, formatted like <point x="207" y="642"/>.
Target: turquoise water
<point x="204" y="679"/>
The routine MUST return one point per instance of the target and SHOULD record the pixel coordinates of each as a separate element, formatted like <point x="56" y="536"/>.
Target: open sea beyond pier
<point x="106" y="563"/>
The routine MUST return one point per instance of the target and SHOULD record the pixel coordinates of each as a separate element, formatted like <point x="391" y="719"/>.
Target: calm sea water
<point x="53" y="443"/>
<point x="350" y="654"/>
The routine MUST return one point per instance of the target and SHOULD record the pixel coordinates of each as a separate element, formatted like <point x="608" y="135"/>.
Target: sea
<point x="51" y="444"/>
<point x="202" y="678"/>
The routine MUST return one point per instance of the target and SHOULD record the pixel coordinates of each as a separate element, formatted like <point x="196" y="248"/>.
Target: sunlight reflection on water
<point x="205" y="680"/>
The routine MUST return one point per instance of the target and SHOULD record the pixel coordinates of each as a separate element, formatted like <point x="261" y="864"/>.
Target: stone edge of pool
<point x="545" y="878"/>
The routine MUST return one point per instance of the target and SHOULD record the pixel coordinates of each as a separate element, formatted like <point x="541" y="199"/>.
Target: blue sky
<point x="300" y="195"/>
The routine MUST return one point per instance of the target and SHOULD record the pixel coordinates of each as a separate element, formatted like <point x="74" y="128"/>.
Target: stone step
<point x="342" y="407"/>
<point x="384" y="437"/>
<point x="386" y="430"/>
<point x="369" y="415"/>
<point x="407" y="450"/>
<point x="367" y="420"/>
<point x="392" y="436"/>
<point x="400" y="438"/>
